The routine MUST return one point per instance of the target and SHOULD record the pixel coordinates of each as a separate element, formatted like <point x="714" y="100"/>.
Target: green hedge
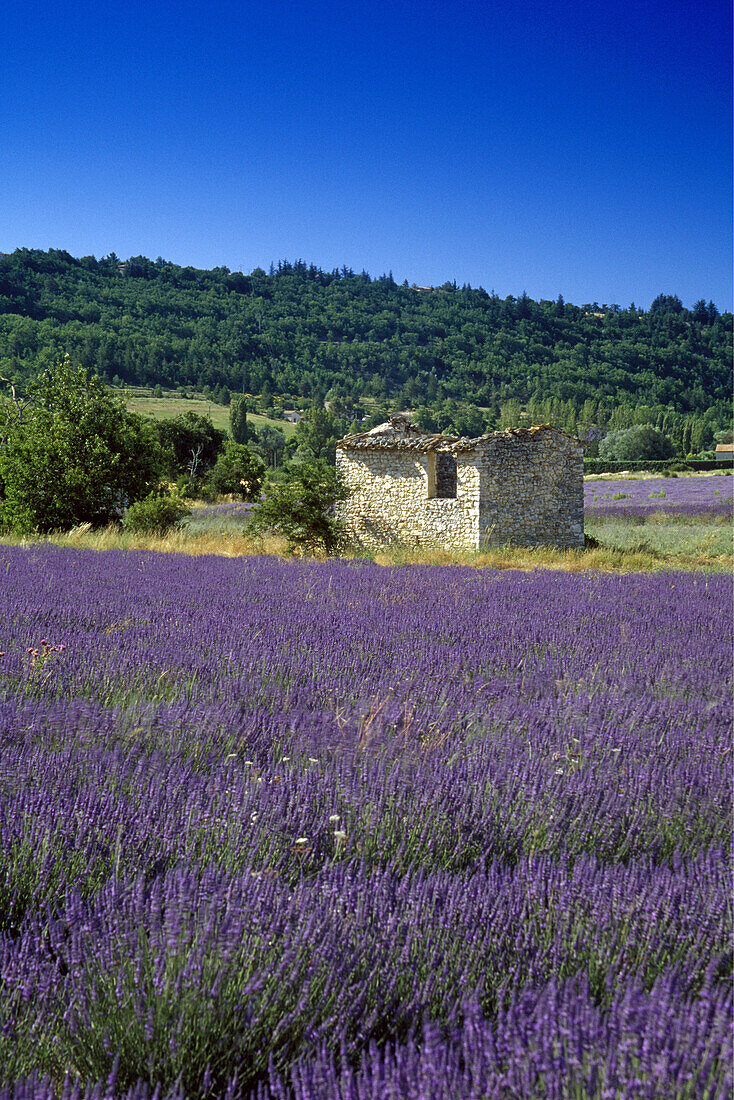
<point x="600" y="466"/>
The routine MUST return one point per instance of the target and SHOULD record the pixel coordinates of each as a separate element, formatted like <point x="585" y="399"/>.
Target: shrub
<point x="238" y="471"/>
<point x="301" y="507"/>
<point x="155" y="515"/>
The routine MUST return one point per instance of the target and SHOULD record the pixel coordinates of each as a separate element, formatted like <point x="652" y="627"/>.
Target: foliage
<point x="272" y="443"/>
<point x="454" y="418"/>
<point x="318" y="430"/>
<point x="303" y="333"/>
<point x="191" y="444"/>
<point x="664" y="466"/>
<point x="238" y="419"/>
<point x="301" y="507"/>
<point x="155" y="514"/>
<point x="71" y="454"/>
<point x="639" y="442"/>
<point x="238" y="471"/>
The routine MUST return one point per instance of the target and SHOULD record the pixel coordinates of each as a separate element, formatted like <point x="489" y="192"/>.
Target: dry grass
<point x="232" y="545"/>
<point x="175" y="542"/>
<point x="603" y="559"/>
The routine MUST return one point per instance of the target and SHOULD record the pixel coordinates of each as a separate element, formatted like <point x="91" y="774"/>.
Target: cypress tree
<point x="238" y="418"/>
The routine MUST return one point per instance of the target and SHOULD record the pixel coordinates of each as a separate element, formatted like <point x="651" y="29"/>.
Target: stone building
<point x="522" y="486"/>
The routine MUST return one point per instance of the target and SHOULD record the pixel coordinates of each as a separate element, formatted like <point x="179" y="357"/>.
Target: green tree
<point x="469" y="421"/>
<point x="238" y="418"/>
<point x="238" y="471"/>
<point x="271" y="442"/>
<point x="635" y="444"/>
<point x="302" y="507"/>
<point x="319" y="430"/>
<point x="190" y="442"/>
<point x="72" y="454"/>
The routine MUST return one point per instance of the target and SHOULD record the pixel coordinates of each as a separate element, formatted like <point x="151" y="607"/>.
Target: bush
<point x="302" y="506"/>
<point x="155" y="515"/>
<point x="238" y="471"/>
<point x="643" y="441"/>
<point x="197" y="489"/>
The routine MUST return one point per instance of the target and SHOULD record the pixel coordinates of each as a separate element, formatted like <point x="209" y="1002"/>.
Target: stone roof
<point x="400" y="434"/>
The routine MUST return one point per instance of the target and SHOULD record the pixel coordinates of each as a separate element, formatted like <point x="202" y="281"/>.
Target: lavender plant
<point x="689" y="498"/>
<point x="292" y="830"/>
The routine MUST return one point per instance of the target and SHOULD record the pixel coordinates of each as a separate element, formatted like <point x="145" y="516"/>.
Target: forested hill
<point x="304" y="332"/>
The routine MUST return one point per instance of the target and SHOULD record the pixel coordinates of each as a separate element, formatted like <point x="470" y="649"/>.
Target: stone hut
<point x="522" y="486"/>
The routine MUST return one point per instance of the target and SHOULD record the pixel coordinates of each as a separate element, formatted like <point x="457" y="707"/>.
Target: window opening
<point x="445" y="475"/>
<point x="441" y="475"/>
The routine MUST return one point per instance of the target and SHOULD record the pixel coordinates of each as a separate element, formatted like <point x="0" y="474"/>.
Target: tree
<point x="635" y="444"/>
<point x="469" y="421"/>
<point x="319" y="430"/>
<point x="72" y="454"/>
<point x="186" y="436"/>
<point x="238" y="418"/>
<point x="700" y="312"/>
<point x="666" y="303"/>
<point x="302" y="507"/>
<point x="238" y="471"/>
<point x="272" y="443"/>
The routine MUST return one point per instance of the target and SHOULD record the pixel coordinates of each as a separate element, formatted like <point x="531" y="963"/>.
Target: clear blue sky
<point x="563" y="147"/>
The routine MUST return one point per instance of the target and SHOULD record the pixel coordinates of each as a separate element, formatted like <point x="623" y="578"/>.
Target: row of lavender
<point x="692" y="497"/>
<point x="296" y="830"/>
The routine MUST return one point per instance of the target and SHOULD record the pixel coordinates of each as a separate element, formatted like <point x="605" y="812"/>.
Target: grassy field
<point x="652" y="546"/>
<point x="162" y="408"/>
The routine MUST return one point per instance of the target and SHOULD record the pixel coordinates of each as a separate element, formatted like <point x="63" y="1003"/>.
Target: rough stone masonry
<point x="523" y="486"/>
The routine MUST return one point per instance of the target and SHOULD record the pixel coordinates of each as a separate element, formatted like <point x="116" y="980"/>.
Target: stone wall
<point x="532" y="490"/>
<point x="523" y="487"/>
<point x="389" y="502"/>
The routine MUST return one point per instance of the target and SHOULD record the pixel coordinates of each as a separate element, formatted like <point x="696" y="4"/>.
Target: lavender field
<point x="297" y="830"/>
<point x="687" y="498"/>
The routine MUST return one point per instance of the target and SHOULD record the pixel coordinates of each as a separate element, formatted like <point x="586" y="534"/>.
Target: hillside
<point x="303" y="332"/>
